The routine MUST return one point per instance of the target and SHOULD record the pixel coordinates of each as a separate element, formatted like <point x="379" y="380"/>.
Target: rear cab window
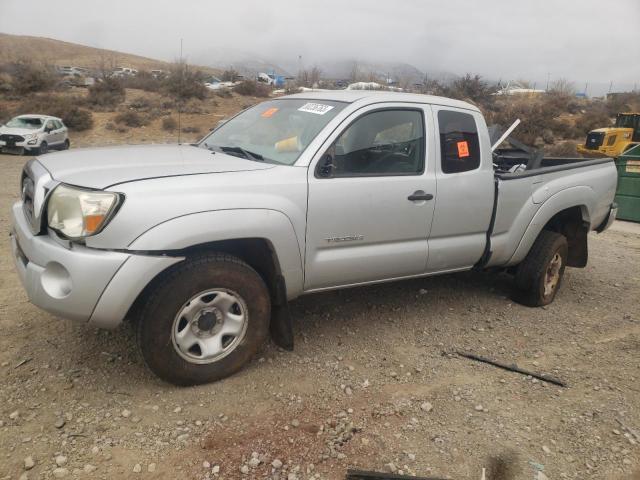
<point x="459" y="144"/>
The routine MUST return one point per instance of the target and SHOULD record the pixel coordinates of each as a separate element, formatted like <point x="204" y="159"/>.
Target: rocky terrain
<point x="373" y="384"/>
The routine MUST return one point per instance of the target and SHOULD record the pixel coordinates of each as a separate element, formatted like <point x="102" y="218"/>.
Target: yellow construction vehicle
<point x="613" y="141"/>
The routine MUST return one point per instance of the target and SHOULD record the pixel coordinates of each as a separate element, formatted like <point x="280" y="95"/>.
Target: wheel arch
<point x="264" y="239"/>
<point x="565" y="213"/>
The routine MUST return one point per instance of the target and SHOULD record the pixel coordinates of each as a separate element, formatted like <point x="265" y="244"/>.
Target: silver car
<point x="33" y="134"/>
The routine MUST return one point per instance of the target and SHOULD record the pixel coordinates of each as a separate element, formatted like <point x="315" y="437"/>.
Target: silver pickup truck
<point x="203" y="245"/>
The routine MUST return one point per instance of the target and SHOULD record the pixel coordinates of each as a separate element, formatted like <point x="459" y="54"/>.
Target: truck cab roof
<point x="378" y="96"/>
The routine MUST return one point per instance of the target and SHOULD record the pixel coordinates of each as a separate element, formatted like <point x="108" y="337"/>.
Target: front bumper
<point x="18" y="146"/>
<point x="76" y="282"/>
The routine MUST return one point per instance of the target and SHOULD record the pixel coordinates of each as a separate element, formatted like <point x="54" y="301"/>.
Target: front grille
<point x="11" y="138"/>
<point x="594" y="140"/>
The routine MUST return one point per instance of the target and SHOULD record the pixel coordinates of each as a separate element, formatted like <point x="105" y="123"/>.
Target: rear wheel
<point x="205" y="320"/>
<point x="66" y="145"/>
<point x="539" y="276"/>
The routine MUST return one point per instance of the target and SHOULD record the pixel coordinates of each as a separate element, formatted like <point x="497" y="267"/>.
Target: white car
<point x="33" y="134"/>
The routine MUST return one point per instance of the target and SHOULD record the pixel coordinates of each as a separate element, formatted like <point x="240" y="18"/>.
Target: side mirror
<point x="48" y="129"/>
<point x="325" y="166"/>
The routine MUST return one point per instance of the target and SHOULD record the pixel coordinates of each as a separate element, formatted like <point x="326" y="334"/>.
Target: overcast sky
<point x="582" y="40"/>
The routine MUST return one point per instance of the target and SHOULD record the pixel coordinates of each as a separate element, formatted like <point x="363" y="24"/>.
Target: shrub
<point x="594" y="117"/>
<point x="190" y="130"/>
<point x="29" y="78"/>
<point x="230" y="75"/>
<point x="471" y="88"/>
<point x="562" y="149"/>
<point x="169" y="124"/>
<point x="132" y="119"/>
<point x="623" y="102"/>
<point x="251" y="88"/>
<point x="116" y="128"/>
<point x="143" y="80"/>
<point x="106" y="93"/>
<point x="184" y="83"/>
<point x="223" y="93"/>
<point x="534" y="115"/>
<point x="66" y="108"/>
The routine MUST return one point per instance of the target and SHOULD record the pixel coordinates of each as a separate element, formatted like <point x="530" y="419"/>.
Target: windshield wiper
<point x="235" y="149"/>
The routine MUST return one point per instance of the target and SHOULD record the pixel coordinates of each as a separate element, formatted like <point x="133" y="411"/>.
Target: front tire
<point x="539" y="276"/>
<point x="43" y="148"/>
<point x="204" y="320"/>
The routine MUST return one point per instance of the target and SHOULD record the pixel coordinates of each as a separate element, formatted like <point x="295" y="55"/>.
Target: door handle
<point x="417" y="196"/>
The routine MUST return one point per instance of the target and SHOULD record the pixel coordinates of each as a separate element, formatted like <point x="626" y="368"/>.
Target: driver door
<point x="371" y="199"/>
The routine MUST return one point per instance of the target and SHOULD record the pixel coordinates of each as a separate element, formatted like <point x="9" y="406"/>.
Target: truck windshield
<point x="275" y="131"/>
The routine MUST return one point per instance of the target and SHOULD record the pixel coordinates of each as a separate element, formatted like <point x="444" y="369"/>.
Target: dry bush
<point x="251" y="88"/>
<point x="595" y="116"/>
<point x="471" y="87"/>
<point x="562" y="149"/>
<point x="534" y="115"/>
<point x="194" y="105"/>
<point x="190" y="130"/>
<point x="623" y="102"/>
<point x="4" y="114"/>
<point x="143" y="80"/>
<point x="223" y="93"/>
<point x="66" y="108"/>
<point x="183" y="83"/>
<point x="230" y="75"/>
<point x="169" y="124"/>
<point x="116" y="127"/>
<point x="106" y="93"/>
<point x="27" y="77"/>
<point x="153" y="108"/>
<point x="6" y="86"/>
<point x="131" y="119"/>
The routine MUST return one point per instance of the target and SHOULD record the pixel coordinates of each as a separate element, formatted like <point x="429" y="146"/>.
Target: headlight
<point x="29" y="136"/>
<point x="78" y="213"/>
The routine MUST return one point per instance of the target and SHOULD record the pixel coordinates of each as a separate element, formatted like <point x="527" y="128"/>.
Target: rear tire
<point x="65" y="145"/>
<point x="190" y="305"/>
<point x="539" y="276"/>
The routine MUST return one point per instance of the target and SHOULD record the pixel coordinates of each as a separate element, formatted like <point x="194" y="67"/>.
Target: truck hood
<point x="101" y="168"/>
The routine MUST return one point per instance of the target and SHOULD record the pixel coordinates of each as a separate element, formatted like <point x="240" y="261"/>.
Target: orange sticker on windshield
<point x="463" y="149"/>
<point x="269" y="113"/>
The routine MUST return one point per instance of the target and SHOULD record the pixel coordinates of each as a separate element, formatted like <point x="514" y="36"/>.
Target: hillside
<point x="57" y="52"/>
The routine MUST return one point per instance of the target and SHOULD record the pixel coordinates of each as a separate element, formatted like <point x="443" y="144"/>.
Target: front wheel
<point x="205" y="320"/>
<point x="43" y="148"/>
<point x="539" y="276"/>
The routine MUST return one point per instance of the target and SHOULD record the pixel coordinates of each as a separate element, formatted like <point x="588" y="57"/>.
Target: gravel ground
<point x="371" y="384"/>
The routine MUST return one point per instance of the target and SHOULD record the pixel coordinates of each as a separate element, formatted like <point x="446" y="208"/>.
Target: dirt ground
<point x="371" y="384"/>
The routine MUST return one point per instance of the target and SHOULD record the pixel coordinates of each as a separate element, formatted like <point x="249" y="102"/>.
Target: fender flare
<point x="199" y="228"/>
<point x="563" y="200"/>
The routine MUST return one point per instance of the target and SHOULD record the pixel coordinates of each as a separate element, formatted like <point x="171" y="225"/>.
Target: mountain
<point x="57" y="52"/>
<point x="246" y="63"/>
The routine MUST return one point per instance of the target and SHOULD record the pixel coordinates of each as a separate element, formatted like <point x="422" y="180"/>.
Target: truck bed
<point x="525" y="192"/>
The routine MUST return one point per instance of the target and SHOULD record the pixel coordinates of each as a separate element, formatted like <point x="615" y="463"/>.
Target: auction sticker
<point x="317" y="108"/>
<point x="463" y="149"/>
